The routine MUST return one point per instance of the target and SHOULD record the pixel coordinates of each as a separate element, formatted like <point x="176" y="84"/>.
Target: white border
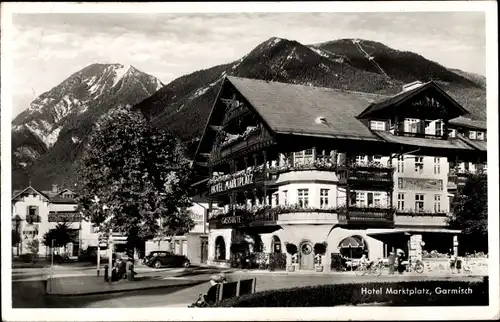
<point x="335" y="313"/>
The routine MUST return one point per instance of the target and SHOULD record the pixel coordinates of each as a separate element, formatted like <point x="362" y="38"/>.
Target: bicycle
<point x="371" y="269"/>
<point x="418" y="267"/>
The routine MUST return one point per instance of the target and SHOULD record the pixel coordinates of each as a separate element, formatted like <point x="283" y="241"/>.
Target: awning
<point x="351" y="242"/>
<point x="374" y="231"/>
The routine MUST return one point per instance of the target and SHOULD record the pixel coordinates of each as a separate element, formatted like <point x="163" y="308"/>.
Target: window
<point x="451" y="133"/>
<point x="437" y="203"/>
<point x="360" y="199"/>
<point x="323" y="198"/>
<point x="303" y="198"/>
<point x="377" y="159"/>
<point x="276" y="199"/>
<point x="400" y="183"/>
<point x="32" y="214"/>
<point x="472" y="135"/>
<point x="377" y="125"/>
<point x="439" y="130"/>
<point x="303" y="157"/>
<point x="401" y="201"/>
<point x="437" y="165"/>
<point x="285" y="197"/>
<point x="370" y="199"/>
<point x="360" y="159"/>
<point x="480" y="136"/>
<point x="94" y="229"/>
<point x="377" y="197"/>
<point x="419" y="164"/>
<point x="419" y="202"/>
<point x="401" y="164"/>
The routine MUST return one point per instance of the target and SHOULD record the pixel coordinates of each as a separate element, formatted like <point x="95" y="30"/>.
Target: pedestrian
<point x="130" y="270"/>
<point x="458" y="264"/>
<point x="392" y="261"/>
<point x="401" y="267"/>
<point x="452" y="261"/>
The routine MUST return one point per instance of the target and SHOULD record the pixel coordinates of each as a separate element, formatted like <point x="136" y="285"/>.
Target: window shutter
<point x="370" y="198"/>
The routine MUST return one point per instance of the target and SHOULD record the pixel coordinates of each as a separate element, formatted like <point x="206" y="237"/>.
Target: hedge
<point x="354" y="294"/>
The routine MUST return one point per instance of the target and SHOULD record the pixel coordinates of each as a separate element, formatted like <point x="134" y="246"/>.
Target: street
<point x="29" y="291"/>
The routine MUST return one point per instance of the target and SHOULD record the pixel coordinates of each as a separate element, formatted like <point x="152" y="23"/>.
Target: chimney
<point x="413" y="85"/>
<point x="55" y="188"/>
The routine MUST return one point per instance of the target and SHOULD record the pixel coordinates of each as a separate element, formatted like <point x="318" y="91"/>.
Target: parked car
<point x="158" y="259"/>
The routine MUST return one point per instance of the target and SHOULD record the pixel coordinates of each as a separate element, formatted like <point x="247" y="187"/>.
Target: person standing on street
<point x="392" y="261"/>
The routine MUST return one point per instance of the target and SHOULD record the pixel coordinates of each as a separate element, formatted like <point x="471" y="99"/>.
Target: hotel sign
<point x="422" y="184"/>
<point x="60" y="216"/>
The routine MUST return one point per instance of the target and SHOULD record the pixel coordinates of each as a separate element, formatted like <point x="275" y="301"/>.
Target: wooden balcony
<point x="367" y="217"/>
<point x="366" y="177"/>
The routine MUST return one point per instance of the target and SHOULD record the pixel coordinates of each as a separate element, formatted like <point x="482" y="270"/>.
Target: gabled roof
<point x="49" y="195"/>
<point x="294" y="109"/>
<point x="20" y="192"/>
<point x="468" y="123"/>
<point x="404" y="96"/>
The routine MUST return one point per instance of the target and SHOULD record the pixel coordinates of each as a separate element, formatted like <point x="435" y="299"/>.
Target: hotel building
<point x="361" y="173"/>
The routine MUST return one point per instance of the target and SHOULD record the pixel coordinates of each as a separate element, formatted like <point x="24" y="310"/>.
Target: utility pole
<point x="110" y="252"/>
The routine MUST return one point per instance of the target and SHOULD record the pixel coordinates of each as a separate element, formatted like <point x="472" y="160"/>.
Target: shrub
<point x="346" y="294"/>
<point x="320" y="248"/>
<point x="291" y="248"/>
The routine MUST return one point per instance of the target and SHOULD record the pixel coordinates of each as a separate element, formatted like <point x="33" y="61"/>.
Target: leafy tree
<point x="132" y="177"/>
<point x="33" y="246"/>
<point x="62" y="234"/>
<point x="470" y="213"/>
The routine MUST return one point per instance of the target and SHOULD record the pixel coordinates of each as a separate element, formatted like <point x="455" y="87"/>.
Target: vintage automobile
<point x="158" y="259"/>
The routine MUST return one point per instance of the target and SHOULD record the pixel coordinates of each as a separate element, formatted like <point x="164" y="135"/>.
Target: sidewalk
<point x="87" y="285"/>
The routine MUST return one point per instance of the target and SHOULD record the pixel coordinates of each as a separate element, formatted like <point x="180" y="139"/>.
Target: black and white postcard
<point x="287" y="160"/>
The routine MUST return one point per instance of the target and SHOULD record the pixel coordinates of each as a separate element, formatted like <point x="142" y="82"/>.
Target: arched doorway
<point x="306" y="255"/>
<point x="353" y="247"/>
<point x="220" y="248"/>
<point x="276" y="245"/>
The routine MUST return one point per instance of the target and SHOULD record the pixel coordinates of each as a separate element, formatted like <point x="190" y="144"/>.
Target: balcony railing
<point x="421" y="213"/>
<point x="366" y="174"/>
<point x="262" y="215"/>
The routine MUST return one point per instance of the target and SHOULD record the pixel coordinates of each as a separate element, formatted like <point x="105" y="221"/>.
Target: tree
<point x="16" y="239"/>
<point x="62" y="234"/>
<point x="470" y="213"/>
<point x="133" y="176"/>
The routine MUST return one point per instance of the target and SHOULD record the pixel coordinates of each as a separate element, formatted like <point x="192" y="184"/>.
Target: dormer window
<point x="377" y="125"/>
<point x="472" y="135"/>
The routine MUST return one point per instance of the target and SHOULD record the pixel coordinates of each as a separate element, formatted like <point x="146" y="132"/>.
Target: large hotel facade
<point x="293" y="167"/>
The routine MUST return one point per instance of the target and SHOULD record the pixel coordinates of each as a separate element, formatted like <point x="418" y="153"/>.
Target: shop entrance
<point x="306" y="256"/>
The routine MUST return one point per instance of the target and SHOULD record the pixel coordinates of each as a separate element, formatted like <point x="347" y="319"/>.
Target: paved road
<point x="31" y="294"/>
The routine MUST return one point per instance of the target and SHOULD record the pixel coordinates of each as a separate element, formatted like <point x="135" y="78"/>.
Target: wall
<point x="427" y="173"/>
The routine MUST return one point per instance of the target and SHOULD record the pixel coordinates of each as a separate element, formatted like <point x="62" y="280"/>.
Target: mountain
<point x="183" y="105"/>
<point x="49" y="136"/>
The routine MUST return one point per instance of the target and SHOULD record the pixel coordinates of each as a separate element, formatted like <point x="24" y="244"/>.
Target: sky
<point x="48" y="48"/>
